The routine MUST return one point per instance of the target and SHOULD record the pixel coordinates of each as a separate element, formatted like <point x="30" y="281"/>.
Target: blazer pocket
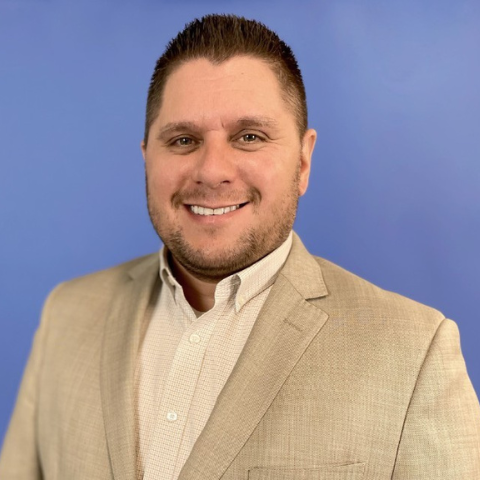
<point x="351" y="471"/>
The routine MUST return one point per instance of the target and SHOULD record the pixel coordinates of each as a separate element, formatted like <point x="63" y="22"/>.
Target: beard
<point x="213" y="263"/>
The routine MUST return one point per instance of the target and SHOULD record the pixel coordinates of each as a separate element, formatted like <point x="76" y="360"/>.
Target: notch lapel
<point x="283" y="330"/>
<point x="124" y="327"/>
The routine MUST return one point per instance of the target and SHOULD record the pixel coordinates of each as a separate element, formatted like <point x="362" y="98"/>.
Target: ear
<point x="144" y="149"/>
<point x="308" y="144"/>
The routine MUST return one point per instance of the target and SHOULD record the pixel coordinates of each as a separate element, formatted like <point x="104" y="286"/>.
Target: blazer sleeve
<point x="441" y="434"/>
<point x="19" y="459"/>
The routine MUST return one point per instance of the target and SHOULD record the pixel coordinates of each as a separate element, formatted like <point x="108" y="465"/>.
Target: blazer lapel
<point x="123" y="331"/>
<point x="284" y="329"/>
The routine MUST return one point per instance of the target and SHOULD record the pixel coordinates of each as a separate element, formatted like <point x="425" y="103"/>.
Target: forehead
<point x="239" y="86"/>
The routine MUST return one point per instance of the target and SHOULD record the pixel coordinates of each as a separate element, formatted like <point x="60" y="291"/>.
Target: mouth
<point x="206" y="211"/>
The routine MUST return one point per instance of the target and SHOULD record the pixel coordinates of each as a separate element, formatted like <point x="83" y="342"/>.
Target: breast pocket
<point x="351" y="471"/>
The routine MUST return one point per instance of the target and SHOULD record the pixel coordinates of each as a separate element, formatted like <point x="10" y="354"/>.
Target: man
<point x="238" y="355"/>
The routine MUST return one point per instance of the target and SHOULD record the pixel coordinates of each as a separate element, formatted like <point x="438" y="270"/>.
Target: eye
<point x="250" y="138"/>
<point x="183" y="142"/>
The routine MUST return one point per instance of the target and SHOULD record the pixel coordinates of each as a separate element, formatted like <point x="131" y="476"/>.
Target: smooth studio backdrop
<point x="393" y="91"/>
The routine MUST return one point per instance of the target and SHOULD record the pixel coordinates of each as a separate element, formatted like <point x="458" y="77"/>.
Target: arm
<point x="19" y="458"/>
<point x="441" y="434"/>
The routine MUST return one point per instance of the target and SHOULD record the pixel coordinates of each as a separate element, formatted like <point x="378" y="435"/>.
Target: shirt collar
<point x="243" y="285"/>
<point x="261" y="275"/>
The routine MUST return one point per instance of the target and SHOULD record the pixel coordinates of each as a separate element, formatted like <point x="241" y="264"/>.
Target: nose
<point x="215" y="164"/>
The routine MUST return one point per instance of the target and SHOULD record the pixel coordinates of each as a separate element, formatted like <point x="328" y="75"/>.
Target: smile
<point x="197" y="210"/>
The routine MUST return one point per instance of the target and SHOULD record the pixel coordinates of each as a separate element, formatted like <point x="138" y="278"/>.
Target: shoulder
<point x="349" y="298"/>
<point x="368" y="305"/>
<point x="99" y="287"/>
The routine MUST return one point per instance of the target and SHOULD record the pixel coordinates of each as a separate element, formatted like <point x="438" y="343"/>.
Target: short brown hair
<point x="219" y="38"/>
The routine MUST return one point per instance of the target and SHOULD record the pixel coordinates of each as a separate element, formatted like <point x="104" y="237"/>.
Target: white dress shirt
<point x="185" y="361"/>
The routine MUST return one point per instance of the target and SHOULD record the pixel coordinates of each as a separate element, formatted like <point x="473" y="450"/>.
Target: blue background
<point x="393" y="91"/>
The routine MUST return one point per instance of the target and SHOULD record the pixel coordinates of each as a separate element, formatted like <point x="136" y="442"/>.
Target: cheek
<point x="262" y="172"/>
<point x="170" y="173"/>
<point x="157" y="192"/>
<point x="160" y="179"/>
<point x="275" y="178"/>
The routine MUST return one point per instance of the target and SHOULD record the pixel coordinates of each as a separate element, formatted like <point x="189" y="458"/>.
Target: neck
<point x="200" y="293"/>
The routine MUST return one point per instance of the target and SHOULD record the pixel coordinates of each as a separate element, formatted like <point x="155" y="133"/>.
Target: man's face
<point x="225" y="165"/>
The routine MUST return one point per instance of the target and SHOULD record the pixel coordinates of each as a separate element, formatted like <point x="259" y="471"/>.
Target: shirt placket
<point x="177" y="399"/>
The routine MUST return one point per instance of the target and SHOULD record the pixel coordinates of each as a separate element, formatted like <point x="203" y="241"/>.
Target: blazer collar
<point x="283" y="330"/>
<point x="303" y="272"/>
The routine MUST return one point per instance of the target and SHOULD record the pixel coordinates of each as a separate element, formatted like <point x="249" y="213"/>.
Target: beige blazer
<point x="339" y="380"/>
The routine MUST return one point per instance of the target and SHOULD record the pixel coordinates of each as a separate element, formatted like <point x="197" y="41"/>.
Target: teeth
<point x="210" y="211"/>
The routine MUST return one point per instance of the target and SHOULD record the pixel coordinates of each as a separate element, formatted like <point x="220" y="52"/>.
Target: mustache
<point x="198" y="195"/>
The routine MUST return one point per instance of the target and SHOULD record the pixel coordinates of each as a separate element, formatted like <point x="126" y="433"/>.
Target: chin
<point x="219" y="255"/>
<point x="213" y="265"/>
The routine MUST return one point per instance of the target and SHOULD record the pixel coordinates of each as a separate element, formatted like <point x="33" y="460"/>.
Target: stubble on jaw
<point x="246" y="249"/>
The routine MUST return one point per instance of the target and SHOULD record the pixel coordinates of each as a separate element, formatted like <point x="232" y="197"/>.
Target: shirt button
<point x="172" y="416"/>
<point x="194" y="338"/>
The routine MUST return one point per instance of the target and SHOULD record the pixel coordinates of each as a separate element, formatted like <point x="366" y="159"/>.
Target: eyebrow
<point x="256" y="121"/>
<point x="172" y="127"/>
<point x="243" y="122"/>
